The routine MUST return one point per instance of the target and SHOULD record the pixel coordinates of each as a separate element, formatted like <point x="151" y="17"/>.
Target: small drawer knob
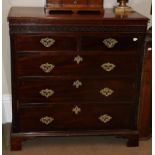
<point x="106" y="91"/>
<point x="47" y="42"/>
<point x="78" y="59"/>
<point x="108" y="66"/>
<point x="109" y="42"/>
<point x="76" y="110"/>
<point x="77" y="84"/>
<point x="47" y="68"/>
<point x="105" y="118"/>
<point x="47" y="120"/>
<point x="75" y="2"/>
<point x="47" y="92"/>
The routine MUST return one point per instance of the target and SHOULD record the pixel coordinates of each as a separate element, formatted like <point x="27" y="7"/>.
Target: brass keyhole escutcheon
<point x="76" y="110"/>
<point x="78" y="59"/>
<point x="77" y="84"/>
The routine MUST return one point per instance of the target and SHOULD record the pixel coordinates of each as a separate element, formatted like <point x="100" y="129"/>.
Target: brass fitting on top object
<point x="122" y="7"/>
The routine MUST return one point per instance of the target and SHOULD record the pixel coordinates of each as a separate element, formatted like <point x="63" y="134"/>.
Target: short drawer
<point x="99" y="64"/>
<point x="111" y="42"/>
<point x="79" y="89"/>
<point x="74" y="3"/>
<point x="76" y="117"/>
<point x="44" y="42"/>
<point x="77" y="4"/>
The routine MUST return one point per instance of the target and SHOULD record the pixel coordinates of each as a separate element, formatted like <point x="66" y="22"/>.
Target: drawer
<point x="79" y="89"/>
<point x="53" y="64"/>
<point x="74" y="3"/>
<point x="75" y="117"/>
<point x="44" y="42"/>
<point x="110" y="42"/>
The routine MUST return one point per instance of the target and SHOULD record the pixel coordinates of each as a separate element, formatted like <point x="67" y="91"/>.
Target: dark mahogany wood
<point x="75" y="35"/>
<point x="145" y="119"/>
<point x="64" y="90"/>
<point x="87" y="119"/>
<point x="133" y="141"/>
<point x="33" y="42"/>
<point x="74" y="5"/>
<point x="64" y="63"/>
<point x="124" y="43"/>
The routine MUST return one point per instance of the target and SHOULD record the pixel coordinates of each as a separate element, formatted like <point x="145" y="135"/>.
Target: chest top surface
<point x="38" y="15"/>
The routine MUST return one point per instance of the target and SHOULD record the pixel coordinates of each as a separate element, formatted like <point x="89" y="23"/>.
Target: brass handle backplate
<point x="47" y="120"/>
<point x="105" y="118"/>
<point x="47" y="42"/>
<point x="78" y="59"/>
<point x="108" y="66"/>
<point x="76" y="110"/>
<point x="47" y="68"/>
<point x="77" y="84"/>
<point x="110" y="42"/>
<point x="106" y="91"/>
<point x="47" y="92"/>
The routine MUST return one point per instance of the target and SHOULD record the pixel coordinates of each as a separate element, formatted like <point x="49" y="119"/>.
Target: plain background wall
<point x="142" y="6"/>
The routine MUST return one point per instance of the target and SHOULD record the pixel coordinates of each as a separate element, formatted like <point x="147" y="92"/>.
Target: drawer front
<point x="74" y="3"/>
<point x="44" y="42"/>
<point x="49" y="64"/>
<point x="110" y="42"/>
<point x="75" y="117"/>
<point x="79" y="89"/>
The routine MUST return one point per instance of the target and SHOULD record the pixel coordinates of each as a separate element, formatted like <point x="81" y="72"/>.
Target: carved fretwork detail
<point x="21" y="28"/>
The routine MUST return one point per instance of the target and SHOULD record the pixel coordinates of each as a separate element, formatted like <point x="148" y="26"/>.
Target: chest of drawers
<point x="75" y="75"/>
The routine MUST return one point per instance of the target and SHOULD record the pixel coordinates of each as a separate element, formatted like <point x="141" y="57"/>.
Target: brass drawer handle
<point x="77" y="84"/>
<point x="76" y="110"/>
<point x="110" y="42"/>
<point x="105" y="118"/>
<point x="47" y="42"/>
<point x="106" y="91"/>
<point x="47" y="92"/>
<point x="78" y="59"/>
<point x="47" y="120"/>
<point x="108" y="66"/>
<point x="47" y="68"/>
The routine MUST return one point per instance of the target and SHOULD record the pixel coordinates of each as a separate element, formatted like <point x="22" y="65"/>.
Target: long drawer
<point x="92" y="64"/>
<point x="45" y="42"/>
<point x="75" y="117"/>
<point x="79" y="89"/>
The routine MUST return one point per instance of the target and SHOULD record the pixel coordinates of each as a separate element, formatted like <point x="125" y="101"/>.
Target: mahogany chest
<point x="75" y="74"/>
